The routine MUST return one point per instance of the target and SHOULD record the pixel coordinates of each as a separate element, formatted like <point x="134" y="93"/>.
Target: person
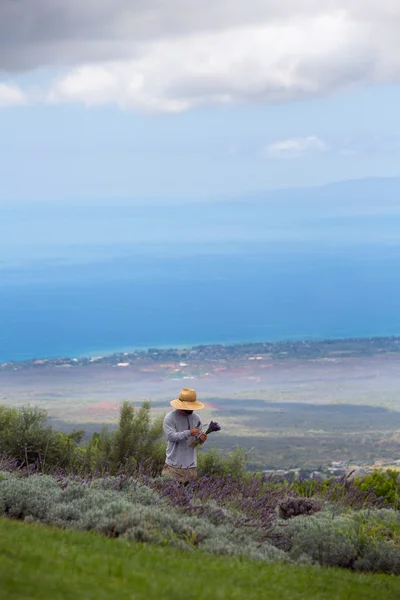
<point x="181" y="427"/>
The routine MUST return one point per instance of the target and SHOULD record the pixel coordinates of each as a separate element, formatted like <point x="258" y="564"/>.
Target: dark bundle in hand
<point x="213" y="426"/>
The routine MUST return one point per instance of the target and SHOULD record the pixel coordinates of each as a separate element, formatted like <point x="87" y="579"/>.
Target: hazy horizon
<point x="352" y="215"/>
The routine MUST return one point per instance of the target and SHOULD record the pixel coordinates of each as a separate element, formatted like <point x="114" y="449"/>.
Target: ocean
<point x="148" y="299"/>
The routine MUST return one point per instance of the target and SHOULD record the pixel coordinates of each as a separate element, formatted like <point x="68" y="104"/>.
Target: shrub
<point x="31" y="496"/>
<point x="344" y="491"/>
<point x="294" y="507"/>
<point x="136" y="444"/>
<point x="26" y="436"/>
<point x="379" y="557"/>
<point x="326" y="541"/>
<point x="384" y="484"/>
<point x="213" y="463"/>
<point x="366" y="540"/>
<point x="307" y="488"/>
<point x="378" y="525"/>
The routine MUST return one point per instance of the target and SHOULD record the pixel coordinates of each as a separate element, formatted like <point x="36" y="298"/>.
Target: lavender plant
<point x="213" y="427"/>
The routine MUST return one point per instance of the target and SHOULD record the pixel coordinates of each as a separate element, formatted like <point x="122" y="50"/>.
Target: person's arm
<point x="173" y="435"/>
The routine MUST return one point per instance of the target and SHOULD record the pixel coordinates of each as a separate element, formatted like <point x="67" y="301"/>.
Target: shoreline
<point x="279" y="347"/>
<point x="227" y="344"/>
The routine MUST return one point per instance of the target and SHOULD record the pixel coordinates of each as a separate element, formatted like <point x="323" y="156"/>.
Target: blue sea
<point x="97" y="305"/>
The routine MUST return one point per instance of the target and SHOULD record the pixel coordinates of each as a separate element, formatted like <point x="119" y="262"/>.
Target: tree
<point x="26" y="436"/>
<point x="137" y="440"/>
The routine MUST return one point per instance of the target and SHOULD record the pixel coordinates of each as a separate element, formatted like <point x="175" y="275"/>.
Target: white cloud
<point x="10" y="95"/>
<point x="265" y="63"/>
<point x="174" y="55"/>
<point x="295" y="147"/>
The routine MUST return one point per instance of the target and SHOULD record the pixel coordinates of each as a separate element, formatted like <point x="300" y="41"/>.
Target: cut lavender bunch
<point x="213" y="426"/>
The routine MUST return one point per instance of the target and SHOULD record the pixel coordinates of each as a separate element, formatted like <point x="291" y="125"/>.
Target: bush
<point x="365" y="540"/>
<point x="136" y="443"/>
<point x="213" y="463"/>
<point x="384" y="484"/>
<point x="326" y="542"/>
<point x="295" y="507"/>
<point x="31" y="496"/>
<point x="379" y="557"/>
<point x="26" y="436"/>
<point x="344" y="491"/>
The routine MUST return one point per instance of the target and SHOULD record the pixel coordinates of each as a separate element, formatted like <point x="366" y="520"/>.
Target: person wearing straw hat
<point x="181" y="427"/>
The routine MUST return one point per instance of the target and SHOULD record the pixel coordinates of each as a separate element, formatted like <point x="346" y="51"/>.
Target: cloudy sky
<point x="195" y="98"/>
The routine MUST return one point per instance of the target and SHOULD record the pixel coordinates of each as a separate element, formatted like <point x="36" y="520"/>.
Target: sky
<point x="140" y="99"/>
<point x="107" y="106"/>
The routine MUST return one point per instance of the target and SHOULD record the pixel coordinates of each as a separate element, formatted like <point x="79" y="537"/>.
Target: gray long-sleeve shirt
<point x="177" y="431"/>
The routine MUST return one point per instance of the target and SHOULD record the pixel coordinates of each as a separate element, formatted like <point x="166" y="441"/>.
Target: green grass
<point x="43" y="563"/>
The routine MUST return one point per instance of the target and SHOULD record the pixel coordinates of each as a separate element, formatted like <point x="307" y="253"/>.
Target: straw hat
<point x="187" y="400"/>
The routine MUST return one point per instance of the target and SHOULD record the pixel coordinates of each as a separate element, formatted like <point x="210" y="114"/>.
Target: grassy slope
<point x="43" y="563"/>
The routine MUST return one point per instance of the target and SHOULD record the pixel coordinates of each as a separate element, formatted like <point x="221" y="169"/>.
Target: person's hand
<point x="194" y="432"/>
<point x="203" y="438"/>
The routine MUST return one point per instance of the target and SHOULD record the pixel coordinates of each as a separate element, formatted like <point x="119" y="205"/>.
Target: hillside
<point x="244" y="529"/>
<point x="42" y="563"/>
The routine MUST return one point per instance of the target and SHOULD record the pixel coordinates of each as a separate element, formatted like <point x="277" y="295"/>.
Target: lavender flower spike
<point x="213" y="426"/>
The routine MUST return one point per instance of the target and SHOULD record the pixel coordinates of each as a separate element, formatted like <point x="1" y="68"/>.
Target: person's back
<point x="181" y="427"/>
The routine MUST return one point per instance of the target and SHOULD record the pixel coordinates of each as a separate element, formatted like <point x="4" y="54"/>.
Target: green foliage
<point x="136" y="437"/>
<point x="377" y="525"/>
<point x="329" y="542"/>
<point x="97" y="453"/>
<point x="379" y="557"/>
<point x="359" y="540"/>
<point x="214" y="463"/>
<point x="385" y="484"/>
<point x="136" y="441"/>
<point x="305" y="487"/>
<point x="26" y="436"/>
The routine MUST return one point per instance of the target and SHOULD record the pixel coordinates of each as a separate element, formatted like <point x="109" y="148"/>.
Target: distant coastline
<point x="280" y="349"/>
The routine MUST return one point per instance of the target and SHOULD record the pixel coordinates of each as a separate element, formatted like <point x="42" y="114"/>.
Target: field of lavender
<point x="333" y="524"/>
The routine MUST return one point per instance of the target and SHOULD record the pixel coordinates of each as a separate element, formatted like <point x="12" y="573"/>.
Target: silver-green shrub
<point x="328" y="541"/>
<point x="31" y="496"/>
<point x="366" y="540"/>
<point x="379" y="557"/>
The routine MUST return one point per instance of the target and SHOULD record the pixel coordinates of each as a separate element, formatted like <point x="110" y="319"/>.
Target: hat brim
<point x="186" y="405"/>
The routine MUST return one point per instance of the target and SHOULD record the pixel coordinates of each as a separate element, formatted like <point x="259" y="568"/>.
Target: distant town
<point x="308" y="350"/>
<point x="334" y="469"/>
